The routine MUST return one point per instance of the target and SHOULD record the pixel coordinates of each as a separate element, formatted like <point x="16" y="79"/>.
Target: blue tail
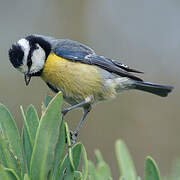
<point x="157" y="89"/>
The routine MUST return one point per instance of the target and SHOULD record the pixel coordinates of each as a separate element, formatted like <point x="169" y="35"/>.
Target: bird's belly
<point x="76" y="80"/>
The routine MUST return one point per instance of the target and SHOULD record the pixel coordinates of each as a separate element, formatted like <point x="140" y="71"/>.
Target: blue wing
<point x="78" y="52"/>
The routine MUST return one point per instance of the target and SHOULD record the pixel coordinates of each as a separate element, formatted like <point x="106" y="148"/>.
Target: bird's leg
<point x="86" y="104"/>
<point x="75" y="133"/>
<point x="87" y="101"/>
<point x="65" y="111"/>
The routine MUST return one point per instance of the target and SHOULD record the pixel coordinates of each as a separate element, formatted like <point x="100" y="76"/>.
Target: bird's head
<point x="28" y="55"/>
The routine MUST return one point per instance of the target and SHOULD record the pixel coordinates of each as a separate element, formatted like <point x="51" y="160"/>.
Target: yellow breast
<point x="77" y="80"/>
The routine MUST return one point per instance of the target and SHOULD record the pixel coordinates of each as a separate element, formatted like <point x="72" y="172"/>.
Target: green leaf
<point x="99" y="157"/>
<point x="102" y="169"/>
<point x="47" y="100"/>
<point x="126" y="166"/>
<point x="78" y="175"/>
<point x="69" y="176"/>
<point x="45" y="141"/>
<point x="122" y="178"/>
<point x="45" y="104"/>
<point x="91" y="171"/>
<point x="31" y="122"/>
<point x="26" y="177"/>
<point x="10" y="131"/>
<point x="7" y="157"/>
<point x="66" y="168"/>
<point x="26" y="127"/>
<point x="73" y="175"/>
<point x="27" y="147"/>
<point x="77" y="155"/>
<point x="84" y="163"/>
<point x="12" y="172"/>
<point x="5" y="174"/>
<point x="69" y="146"/>
<point x="27" y="140"/>
<point x="151" y="170"/>
<point x="60" y="149"/>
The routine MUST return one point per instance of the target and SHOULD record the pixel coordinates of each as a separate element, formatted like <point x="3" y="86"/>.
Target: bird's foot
<point x="73" y="137"/>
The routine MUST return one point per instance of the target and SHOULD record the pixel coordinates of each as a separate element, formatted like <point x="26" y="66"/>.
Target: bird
<point x="84" y="77"/>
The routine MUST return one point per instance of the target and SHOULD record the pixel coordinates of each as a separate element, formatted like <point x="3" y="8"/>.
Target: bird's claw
<point x="73" y="137"/>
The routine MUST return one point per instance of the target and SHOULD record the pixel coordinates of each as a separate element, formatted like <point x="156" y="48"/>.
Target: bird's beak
<point x="27" y="78"/>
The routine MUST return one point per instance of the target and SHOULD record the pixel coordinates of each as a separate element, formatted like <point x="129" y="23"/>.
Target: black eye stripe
<point x="29" y="63"/>
<point x="33" y="47"/>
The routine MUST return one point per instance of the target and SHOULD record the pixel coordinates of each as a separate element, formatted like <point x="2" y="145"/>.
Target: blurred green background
<point x="142" y="34"/>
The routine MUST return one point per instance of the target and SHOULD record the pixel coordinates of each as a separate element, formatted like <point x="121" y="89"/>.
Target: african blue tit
<point x="75" y="69"/>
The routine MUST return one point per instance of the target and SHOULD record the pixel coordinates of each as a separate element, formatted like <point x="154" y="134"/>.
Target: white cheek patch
<point x="38" y="59"/>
